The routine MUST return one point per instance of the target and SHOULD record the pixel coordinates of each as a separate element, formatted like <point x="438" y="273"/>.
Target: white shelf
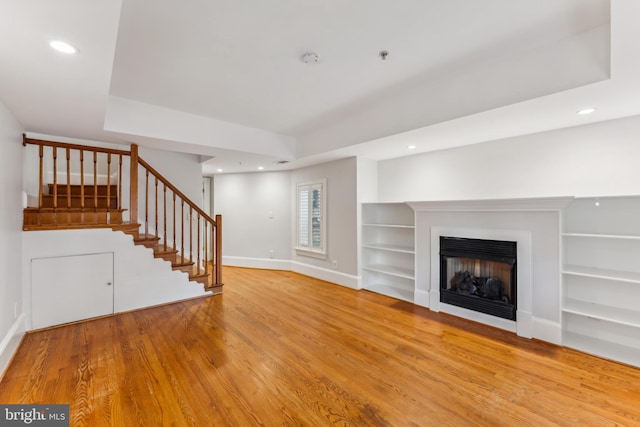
<point x="390" y="248"/>
<point x="392" y="291"/>
<point x="390" y="226"/>
<point x="391" y="270"/>
<point x="603" y="312"/>
<point x="599" y="311"/>
<point x="606" y="349"/>
<point x="600" y="273"/>
<point x="602" y="236"/>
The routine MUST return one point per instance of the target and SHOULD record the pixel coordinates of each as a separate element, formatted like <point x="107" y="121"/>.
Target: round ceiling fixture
<point x="63" y="47"/>
<point x="310" y="58"/>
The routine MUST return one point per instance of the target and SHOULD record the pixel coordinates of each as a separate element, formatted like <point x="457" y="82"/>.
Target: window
<point x="311" y="204"/>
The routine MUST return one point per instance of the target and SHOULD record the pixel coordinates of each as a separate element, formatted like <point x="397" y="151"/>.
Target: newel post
<point x="133" y="184"/>
<point x="218" y="250"/>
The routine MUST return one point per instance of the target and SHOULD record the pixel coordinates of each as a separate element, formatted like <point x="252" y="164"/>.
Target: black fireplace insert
<point x="479" y="275"/>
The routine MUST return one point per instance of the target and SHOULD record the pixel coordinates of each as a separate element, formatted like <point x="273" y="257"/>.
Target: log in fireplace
<point x="479" y="275"/>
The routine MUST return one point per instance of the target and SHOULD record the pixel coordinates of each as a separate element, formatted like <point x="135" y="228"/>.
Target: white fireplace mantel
<point x="519" y="220"/>
<point x="493" y="205"/>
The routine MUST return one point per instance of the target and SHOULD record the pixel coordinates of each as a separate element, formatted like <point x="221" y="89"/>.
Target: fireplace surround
<point x="523" y="324"/>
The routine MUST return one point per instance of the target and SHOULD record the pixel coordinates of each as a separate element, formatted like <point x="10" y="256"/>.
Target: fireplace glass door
<point x="479" y="275"/>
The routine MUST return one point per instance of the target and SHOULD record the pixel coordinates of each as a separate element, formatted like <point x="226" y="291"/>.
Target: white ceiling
<point x="224" y="78"/>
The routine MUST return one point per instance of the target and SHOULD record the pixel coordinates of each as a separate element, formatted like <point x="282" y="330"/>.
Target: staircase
<point x="71" y="205"/>
<point x="178" y="261"/>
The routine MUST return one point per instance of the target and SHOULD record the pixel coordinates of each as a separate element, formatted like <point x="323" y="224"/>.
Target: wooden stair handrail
<point x="65" y="145"/>
<point x="175" y="190"/>
<point x="215" y="223"/>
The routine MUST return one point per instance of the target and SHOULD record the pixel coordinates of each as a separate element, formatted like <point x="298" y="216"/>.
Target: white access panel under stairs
<point x="71" y="288"/>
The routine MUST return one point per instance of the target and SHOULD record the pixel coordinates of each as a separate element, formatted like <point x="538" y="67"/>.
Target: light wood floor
<point x="278" y="348"/>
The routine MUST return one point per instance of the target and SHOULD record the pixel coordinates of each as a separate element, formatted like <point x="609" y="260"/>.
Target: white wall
<point x="342" y="220"/>
<point x="140" y="280"/>
<point x="181" y="169"/>
<point x="367" y="173"/>
<point x="367" y="180"/>
<point x="596" y="159"/>
<point x="256" y="217"/>
<point x="11" y="324"/>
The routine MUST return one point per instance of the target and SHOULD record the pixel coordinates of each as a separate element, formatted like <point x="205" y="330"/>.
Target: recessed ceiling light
<point x="219" y="170"/>
<point x="411" y="147"/>
<point x="63" y="47"/>
<point x="585" y="111"/>
<point x="260" y="168"/>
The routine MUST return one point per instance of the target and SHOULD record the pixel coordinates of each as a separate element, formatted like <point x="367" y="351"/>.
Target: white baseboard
<point x="347" y="280"/>
<point x="262" y="263"/>
<point x="524" y="326"/>
<point x="547" y="330"/>
<point x="421" y="298"/>
<point x="11" y="341"/>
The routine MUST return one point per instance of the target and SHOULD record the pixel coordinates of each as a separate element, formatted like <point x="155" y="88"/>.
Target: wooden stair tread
<point x="44" y="227"/>
<point x="88" y="188"/>
<point x="86" y="185"/>
<point x="72" y="209"/>
<point x="146" y="237"/>
<point x="126" y="225"/>
<point x="179" y="263"/>
<point x="80" y="203"/>
<point x="214" y="289"/>
<point x="161" y="251"/>
<point x="79" y="196"/>
<point x="116" y="227"/>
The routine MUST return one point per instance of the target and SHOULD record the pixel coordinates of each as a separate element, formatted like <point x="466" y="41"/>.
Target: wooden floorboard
<point x="278" y="348"/>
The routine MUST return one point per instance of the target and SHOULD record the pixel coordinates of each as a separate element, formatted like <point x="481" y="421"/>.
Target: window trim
<point x="309" y="250"/>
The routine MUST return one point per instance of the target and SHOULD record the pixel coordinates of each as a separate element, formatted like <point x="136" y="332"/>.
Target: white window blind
<point x="303" y="217"/>
<point x="311" y="217"/>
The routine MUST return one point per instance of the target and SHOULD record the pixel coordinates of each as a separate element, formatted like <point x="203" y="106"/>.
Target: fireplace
<point x="479" y="275"/>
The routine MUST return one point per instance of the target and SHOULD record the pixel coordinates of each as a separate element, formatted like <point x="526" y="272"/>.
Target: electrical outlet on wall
<point x="334" y="264"/>
<point x="271" y="253"/>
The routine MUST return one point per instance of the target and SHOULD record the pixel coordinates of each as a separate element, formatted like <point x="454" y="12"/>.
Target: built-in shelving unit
<point x="388" y="249"/>
<point x="601" y="277"/>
